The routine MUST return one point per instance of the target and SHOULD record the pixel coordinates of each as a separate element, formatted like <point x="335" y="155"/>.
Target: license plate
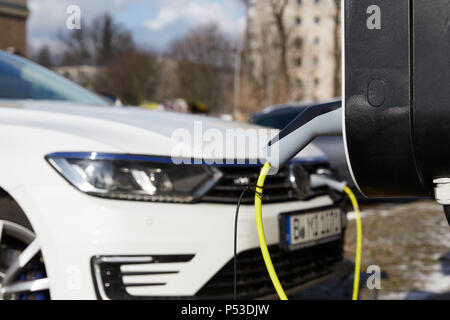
<point x="307" y="229"/>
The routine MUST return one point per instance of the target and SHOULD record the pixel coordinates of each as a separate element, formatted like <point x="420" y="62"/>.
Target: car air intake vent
<point x="278" y="188"/>
<point x="134" y="277"/>
<point x="294" y="269"/>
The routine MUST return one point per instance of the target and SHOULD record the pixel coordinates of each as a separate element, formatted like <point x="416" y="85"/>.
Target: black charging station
<point x="396" y="110"/>
<point x="396" y="95"/>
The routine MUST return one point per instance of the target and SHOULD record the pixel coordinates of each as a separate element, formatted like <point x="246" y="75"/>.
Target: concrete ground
<point x="410" y="242"/>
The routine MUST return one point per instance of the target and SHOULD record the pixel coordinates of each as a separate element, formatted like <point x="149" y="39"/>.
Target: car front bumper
<point x="164" y="250"/>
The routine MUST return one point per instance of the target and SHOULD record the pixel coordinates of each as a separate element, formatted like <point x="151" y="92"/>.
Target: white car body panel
<point x="131" y="130"/>
<point x="72" y="227"/>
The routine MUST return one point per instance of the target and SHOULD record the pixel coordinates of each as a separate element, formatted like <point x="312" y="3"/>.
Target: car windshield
<point x="21" y="79"/>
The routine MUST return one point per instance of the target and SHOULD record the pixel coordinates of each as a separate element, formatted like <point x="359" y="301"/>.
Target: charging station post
<point x="396" y="97"/>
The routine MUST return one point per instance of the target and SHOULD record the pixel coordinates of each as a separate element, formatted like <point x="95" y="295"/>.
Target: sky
<point x="154" y="23"/>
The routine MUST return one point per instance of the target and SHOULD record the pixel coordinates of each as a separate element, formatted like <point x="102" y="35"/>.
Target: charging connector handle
<point x="313" y="122"/>
<point x="321" y="180"/>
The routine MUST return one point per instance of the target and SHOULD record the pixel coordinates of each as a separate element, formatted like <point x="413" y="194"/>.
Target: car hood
<point x="135" y="130"/>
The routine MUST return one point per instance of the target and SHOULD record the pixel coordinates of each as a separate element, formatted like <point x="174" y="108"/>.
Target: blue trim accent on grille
<point x="288" y="231"/>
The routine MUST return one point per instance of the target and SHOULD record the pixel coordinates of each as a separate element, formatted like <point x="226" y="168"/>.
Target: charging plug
<point x="321" y="180"/>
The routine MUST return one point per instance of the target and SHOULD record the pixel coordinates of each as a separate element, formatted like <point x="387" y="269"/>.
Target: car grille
<point x="277" y="188"/>
<point x="294" y="268"/>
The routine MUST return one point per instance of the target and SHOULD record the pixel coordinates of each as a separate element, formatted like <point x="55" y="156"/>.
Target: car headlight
<point x="130" y="177"/>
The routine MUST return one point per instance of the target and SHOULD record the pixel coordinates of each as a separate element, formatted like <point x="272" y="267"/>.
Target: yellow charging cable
<point x="262" y="237"/>
<point x="263" y="244"/>
<point x="352" y="197"/>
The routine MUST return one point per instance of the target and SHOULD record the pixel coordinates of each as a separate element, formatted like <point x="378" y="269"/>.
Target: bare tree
<point x="259" y="63"/>
<point x="110" y="40"/>
<point x="204" y="66"/>
<point x="44" y="57"/>
<point x="99" y="42"/>
<point x="124" y="71"/>
<point x="266" y="60"/>
<point x="278" y="10"/>
<point x="132" y="77"/>
<point x="78" y="46"/>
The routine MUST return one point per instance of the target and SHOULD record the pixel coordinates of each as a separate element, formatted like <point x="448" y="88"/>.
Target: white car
<point x="92" y="207"/>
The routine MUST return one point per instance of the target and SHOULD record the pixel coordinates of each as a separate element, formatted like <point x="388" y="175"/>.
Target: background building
<point x="293" y="48"/>
<point x="13" y="16"/>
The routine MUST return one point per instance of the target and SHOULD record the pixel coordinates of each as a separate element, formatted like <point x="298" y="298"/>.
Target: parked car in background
<point x="279" y="116"/>
<point x="93" y="207"/>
